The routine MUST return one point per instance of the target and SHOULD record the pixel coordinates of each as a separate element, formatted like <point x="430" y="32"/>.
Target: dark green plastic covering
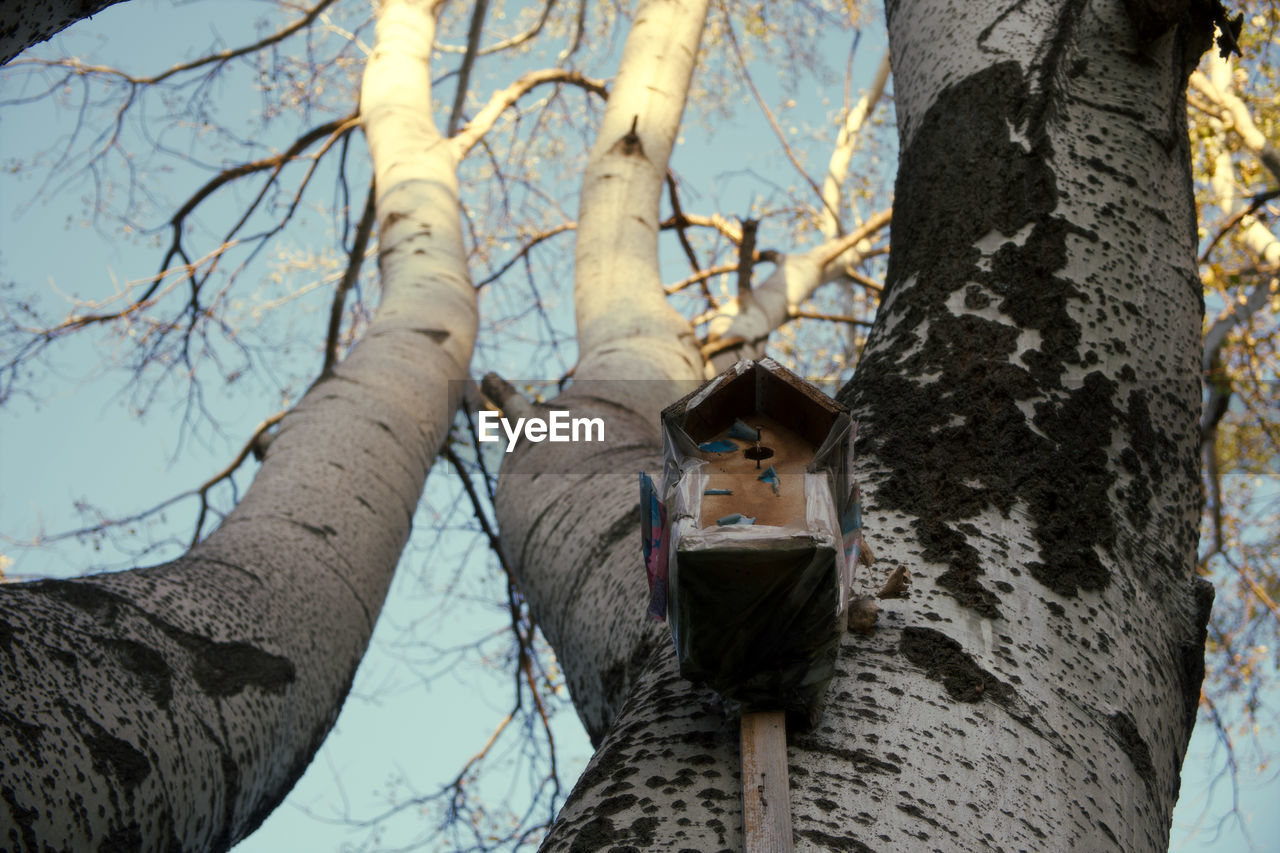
<point x="777" y="650"/>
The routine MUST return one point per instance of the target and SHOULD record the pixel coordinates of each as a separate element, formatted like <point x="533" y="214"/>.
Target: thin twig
<point x="468" y="62"/>
<point x="355" y="259"/>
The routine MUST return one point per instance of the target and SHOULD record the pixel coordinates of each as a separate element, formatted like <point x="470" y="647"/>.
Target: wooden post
<point x="766" y="795"/>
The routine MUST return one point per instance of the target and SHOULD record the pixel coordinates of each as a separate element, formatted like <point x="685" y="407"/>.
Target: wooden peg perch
<point x="766" y="793"/>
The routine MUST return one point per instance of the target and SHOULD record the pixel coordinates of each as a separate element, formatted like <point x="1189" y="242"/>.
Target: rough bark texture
<point x="1027" y="405"/>
<point x="173" y="707"/>
<point x="569" y="519"/>
<point x="27" y="22"/>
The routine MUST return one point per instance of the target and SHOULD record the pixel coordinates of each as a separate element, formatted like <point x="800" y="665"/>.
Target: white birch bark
<point x="1027" y="405"/>
<point x="568" y="512"/>
<point x="846" y="142"/>
<point x="173" y="707"/>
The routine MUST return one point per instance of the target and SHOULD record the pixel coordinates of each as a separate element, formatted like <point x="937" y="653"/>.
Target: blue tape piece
<point x="770" y="476"/>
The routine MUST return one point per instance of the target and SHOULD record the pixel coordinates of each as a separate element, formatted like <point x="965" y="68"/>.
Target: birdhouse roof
<point x="761" y="386"/>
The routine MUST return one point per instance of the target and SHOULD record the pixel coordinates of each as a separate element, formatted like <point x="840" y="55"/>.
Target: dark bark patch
<point x="1151" y="456"/>
<point x="613" y="805"/>
<point x="1191" y="655"/>
<point x="827" y="841"/>
<point x="66" y="658"/>
<point x="101" y="605"/>
<point x="122" y="839"/>
<point x="864" y="762"/>
<point x="146" y="664"/>
<point x="595" y="835"/>
<point x="945" y="661"/>
<point x="957" y="442"/>
<point x="1125" y="731"/>
<point x="113" y="756"/>
<point x="616" y="788"/>
<point x="642" y="830"/>
<point x="710" y="795"/>
<point x="20" y="731"/>
<point x="1070" y="502"/>
<point x="919" y="814"/>
<point x="6" y="638"/>
<point x="630" y="145"/>
<point x="225" y="669"/>
<point x="22" y="832"/>
<point x="219" y="668"/>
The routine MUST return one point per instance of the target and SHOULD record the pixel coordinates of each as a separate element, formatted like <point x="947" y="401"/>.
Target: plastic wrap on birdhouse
<point x="654" y="534"/>
<point x="756" y="609"/>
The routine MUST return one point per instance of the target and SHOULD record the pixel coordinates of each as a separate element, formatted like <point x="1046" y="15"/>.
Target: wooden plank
<point x="751" y="496"/>
<point x="766" y="794"/>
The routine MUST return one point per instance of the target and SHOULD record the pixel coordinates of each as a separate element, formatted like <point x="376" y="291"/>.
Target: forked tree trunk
<point x="1027" y="406"/>
<point x="174" y="707"/>
<point x="568" y="515"/>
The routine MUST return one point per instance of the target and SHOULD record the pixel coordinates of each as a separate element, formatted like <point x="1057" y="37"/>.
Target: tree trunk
<point x="27" y="22"/>
<point x="569" y="517"/>
<point x="1027" y="446"/>
<point x="175" y="706"/>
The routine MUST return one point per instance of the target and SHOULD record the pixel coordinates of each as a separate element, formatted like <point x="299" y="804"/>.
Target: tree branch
<point x="793" y="280"/>
<point x="355" y="260"/>
<point x="468" y="61"/>
<point x="500" y="100"/>
<point x="524" y="250"/>
<point x="842" y="154"/>
<point x="221" y="56"/>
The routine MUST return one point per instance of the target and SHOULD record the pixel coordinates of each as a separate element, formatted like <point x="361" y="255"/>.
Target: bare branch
<point x="767" y="256"/>
<point x="468" y="62"/>
<point x="508" y="43"/>
<point x="842" y="154"/>
<point x="355" y="259"/>
<point x="500" y="100"/>
<point x="525" y="249"/>
<point x="1233" y="221"/>
<point x="793" y="280"/>
<point x="680" y="222"/>
<point x="746" y="259"/>
<point x="833" y="318"/>
<point x="768" y="113"/>
<point x="1235" y="113"/>
<point x="220" y="57"/>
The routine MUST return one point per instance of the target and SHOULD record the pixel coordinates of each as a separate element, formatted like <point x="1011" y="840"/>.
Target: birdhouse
<point x="755" y="485"/>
